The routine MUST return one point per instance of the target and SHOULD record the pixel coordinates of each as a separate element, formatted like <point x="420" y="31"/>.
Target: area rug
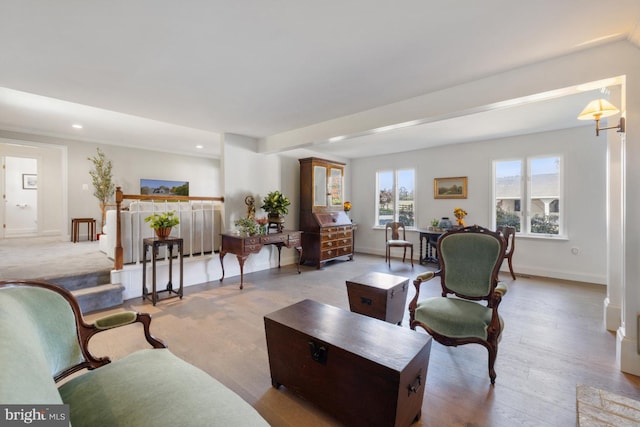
<point x="596" y="408"/>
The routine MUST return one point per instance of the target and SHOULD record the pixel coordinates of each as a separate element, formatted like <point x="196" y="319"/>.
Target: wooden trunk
<point x="379" y="295"/>
<point x="362" y="371"/>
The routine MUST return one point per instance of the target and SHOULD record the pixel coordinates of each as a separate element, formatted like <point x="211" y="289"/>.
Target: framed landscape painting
<point x="158" y="187"/>
<point x="450" y="188"/>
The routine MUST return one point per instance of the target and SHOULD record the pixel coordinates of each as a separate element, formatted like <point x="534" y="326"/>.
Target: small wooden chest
<point x="379" y="295"/>
<point x="361" y="371"/>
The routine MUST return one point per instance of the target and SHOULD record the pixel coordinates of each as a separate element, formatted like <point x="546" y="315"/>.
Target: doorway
<point x="20" y="196"/>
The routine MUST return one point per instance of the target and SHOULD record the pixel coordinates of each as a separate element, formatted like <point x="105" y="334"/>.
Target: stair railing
<point x="120" y="197"/>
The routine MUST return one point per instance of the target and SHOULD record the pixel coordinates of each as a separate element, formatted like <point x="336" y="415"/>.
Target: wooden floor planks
<point x="553" y="341"/>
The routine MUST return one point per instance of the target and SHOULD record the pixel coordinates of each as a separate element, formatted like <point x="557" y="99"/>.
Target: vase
<point x="461" y="222"/>
<point x="163" y="232"/>
<point x="445" y="223"/>
<point x="276" y="219"/>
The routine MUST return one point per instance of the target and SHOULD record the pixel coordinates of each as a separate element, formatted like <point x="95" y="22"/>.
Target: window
<point x="532" y="205"/>
<point x="396" y="197"/>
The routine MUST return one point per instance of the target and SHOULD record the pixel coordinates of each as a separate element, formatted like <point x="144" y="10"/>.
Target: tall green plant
<point x="102" y="180"/>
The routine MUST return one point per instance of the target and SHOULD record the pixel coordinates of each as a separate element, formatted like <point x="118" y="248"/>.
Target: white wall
<point x="245" y="172"/>
<point x="585" y="198"/>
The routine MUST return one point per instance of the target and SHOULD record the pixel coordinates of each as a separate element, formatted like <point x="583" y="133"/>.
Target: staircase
<point x="92" y="290"/>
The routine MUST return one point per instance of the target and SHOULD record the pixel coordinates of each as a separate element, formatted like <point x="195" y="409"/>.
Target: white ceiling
<point x="171" y="75"/>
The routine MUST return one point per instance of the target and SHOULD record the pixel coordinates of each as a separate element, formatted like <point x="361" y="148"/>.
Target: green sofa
<point x="45" y="339"/>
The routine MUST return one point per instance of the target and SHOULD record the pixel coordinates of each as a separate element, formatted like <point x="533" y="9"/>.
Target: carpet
<point x="596" y="408"/>
<point x="49" y="257"/>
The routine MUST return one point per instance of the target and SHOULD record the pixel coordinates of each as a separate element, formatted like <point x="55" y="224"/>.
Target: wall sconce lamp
<point x="599" y="109"/>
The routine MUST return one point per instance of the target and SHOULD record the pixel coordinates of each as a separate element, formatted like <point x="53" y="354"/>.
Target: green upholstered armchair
<point x="470" y="259"/>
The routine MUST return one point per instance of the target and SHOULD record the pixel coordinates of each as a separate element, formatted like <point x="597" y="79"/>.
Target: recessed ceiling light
<point x="76" y="126"/>
<point x="199" y="147"/>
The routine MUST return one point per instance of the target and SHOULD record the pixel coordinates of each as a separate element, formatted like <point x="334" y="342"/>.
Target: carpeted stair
<point x="92" y="290"/>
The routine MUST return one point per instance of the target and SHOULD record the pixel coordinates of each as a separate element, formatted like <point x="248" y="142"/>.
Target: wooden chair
<point x="509" y="234"/>
<point x="470" y="259"/>
<point x="393" y="230"/>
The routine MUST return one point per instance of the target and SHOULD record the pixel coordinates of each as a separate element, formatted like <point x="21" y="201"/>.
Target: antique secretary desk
<point x="327" y="230"/>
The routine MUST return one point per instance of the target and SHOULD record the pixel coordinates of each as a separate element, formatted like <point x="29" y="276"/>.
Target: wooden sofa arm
<point x="423" y="277"/>
<point x="126" y="318"/>
<point x="86" y="331"/>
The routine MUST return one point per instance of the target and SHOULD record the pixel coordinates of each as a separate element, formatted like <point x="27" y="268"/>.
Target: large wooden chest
<point x="379" y="295"/>
<point x="362" y="371"/>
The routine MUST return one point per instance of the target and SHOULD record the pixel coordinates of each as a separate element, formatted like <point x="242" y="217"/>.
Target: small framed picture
<point x="450" y="188"/>
<point x="29" y="181"/>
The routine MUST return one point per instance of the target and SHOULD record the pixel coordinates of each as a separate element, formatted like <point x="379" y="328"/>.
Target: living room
<point x="595" y="183"/>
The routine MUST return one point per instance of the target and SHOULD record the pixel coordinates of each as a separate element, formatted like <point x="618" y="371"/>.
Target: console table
<point x="431" y="238"/>
<point x="155" y="243"/>
<point x="242" y="246"/>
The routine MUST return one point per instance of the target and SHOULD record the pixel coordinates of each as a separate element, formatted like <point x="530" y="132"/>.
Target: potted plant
<point x="102" y="179"/>
<point x="275" y="204"/>
<point x="162" y="223"/>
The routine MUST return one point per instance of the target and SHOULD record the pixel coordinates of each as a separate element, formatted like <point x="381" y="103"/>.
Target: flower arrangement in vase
<point x="460" y="213"/>
<point x="262" y="222"/>
<point x="247" y="226"/>
<point x="347" y="207"/>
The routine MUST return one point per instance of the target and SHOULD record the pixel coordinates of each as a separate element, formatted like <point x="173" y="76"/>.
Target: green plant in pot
<point x="162" y="223"/>
<point x="276" y="205"/>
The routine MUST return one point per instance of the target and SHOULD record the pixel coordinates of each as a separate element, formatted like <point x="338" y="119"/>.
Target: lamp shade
<point x="598" y="109"/>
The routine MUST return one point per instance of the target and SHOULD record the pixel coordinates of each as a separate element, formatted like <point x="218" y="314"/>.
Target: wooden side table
<point x="431" y="239"/>
<point x="75" y="228"/>
<point x="155" y="243"/>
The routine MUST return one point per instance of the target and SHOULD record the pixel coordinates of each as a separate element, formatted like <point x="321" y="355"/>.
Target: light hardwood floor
<point x="554" y="340"/>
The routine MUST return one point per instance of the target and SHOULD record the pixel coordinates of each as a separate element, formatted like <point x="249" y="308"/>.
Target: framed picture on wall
<point x="29" y="181"/>
<point x="159" y="187"/>
<point x="450" y="188"/>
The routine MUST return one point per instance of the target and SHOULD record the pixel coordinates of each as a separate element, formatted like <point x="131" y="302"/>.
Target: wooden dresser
<point x="328" y="231"/>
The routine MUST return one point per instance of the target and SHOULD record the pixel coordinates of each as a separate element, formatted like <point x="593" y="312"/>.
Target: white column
<point x="627" y="334"/>
<point x="615" y="214"/>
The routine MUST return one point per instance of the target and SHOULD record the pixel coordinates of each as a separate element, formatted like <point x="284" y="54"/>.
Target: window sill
<point x="559" y="238"/>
